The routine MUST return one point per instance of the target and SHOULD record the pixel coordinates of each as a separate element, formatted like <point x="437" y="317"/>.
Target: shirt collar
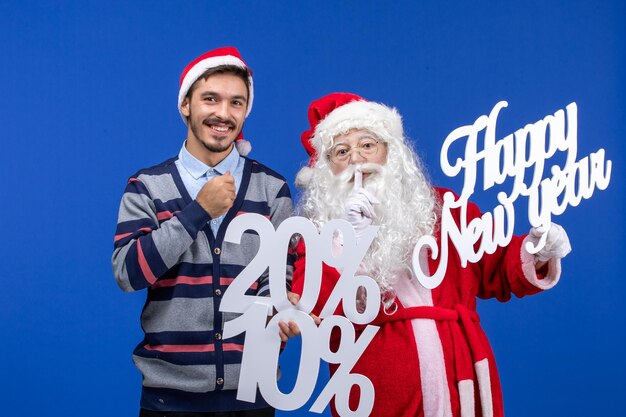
<point x="197" y="168"/>
<point x="229" y="163"/>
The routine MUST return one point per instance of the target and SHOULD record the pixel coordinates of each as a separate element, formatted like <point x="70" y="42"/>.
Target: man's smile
<point x="220" y="129"/>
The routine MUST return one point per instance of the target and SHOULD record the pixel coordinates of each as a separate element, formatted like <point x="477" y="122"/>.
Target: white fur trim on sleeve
<point x="528" y="267"/>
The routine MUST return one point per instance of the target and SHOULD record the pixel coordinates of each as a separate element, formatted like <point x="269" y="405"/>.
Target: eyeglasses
<point x="366" y="147"/>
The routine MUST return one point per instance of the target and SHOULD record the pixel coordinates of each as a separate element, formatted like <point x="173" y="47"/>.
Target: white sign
<point x="528" y="149"/>
<point x="262" y="345"/>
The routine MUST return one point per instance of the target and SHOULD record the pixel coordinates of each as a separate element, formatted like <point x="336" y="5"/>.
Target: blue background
<point x="88" y="96"/>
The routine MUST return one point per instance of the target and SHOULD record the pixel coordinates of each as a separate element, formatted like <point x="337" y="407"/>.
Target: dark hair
<point x="242" y="73"/>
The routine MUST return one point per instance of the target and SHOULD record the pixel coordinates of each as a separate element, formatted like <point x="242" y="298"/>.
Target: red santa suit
<point x="431" y="357"/>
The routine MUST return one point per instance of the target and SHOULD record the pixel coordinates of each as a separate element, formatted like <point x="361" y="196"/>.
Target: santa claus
<point x="430" y="356"/>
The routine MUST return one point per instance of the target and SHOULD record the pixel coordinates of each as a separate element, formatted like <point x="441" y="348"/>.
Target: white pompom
<point x="243" y="147"/>
<point x="304" y="177"/>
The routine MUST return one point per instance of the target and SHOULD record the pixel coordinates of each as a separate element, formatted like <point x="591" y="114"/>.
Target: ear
<point x="184" y="107"/>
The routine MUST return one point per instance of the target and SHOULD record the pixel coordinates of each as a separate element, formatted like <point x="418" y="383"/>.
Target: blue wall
<point x="88" y="96"/>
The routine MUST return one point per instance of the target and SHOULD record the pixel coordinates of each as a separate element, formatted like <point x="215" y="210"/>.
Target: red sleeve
<point x="330" y="276"/>
<point x="499" y="274"/>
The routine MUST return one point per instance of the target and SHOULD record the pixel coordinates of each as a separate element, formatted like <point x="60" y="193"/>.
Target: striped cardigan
<point x="163" y="243"/>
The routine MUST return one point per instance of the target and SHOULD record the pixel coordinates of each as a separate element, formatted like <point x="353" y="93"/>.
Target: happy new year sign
<point x="526" y="150"/>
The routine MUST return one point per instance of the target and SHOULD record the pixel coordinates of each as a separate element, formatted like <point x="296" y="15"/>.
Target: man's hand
<point x="291" y="329"/>
<point x="217" y="195"/>
<point x="557" y="244"/>
<point x="360" y="205"/>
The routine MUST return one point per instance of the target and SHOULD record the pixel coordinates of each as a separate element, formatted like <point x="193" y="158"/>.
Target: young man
<point x="170" y="240"/>
<point x="430" y="356"/>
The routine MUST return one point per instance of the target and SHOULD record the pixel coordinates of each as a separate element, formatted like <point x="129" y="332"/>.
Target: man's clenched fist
<point x="217" y="195"/>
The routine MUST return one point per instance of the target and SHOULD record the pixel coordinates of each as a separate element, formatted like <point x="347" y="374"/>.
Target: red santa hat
<point x="227" y="55"/>
<point x="338" y="113"/>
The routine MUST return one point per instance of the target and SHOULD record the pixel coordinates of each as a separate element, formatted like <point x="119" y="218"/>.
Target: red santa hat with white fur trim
<point x="227" y="55"/>
<point x="338" y="113"/>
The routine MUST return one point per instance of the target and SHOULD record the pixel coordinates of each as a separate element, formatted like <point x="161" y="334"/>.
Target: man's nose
<point x="356" y="157"/>
<point x="222" y="110"/>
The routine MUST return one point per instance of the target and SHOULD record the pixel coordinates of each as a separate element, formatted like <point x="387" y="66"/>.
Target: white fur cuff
<point x="528" y="267"/>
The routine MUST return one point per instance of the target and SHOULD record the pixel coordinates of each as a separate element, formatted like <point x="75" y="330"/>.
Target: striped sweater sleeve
<point x="280" y="209"/>
<point x="143" y="249"/>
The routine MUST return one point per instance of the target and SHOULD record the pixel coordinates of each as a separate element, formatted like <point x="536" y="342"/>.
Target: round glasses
<point x="341" y="152"/>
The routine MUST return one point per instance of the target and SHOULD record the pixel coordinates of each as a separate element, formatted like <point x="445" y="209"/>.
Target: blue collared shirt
<point x="196" y="173"/>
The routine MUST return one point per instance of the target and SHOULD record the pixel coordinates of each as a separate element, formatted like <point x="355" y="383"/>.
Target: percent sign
<point x="262" y="346"/>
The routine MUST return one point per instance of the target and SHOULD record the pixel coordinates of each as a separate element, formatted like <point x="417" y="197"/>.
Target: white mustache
<point x="367" y="168"/>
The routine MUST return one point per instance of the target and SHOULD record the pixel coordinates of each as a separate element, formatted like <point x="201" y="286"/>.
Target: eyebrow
<point x="214" y="93"/>
<point x="364" y="136"/>
<point x="368" y="136"/>
<point x="242" y="98"/>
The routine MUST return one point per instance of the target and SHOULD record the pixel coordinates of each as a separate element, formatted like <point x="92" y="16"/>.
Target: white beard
<point x="406" y="212"/>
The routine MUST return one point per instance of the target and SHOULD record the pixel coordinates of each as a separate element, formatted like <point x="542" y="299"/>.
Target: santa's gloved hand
<point x="557" y="243"/>
<point x="360" y="209"/>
